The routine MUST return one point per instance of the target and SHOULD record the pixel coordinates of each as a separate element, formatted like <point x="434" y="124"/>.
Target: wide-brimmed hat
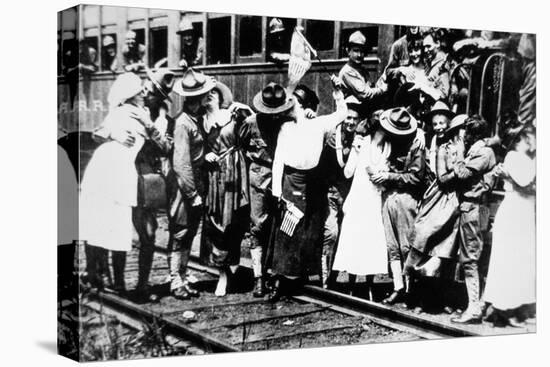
<point x="185" y="26"/>
<point x="357" y="39"/>
<point x="398" y="121"/>
<point x="226" y="97"/>
<point x="126" y="86"/>
<point x="306" y="96"/>
<point x="194" y="83"/>
<point x="457" y="122"/>
<point x="272" y="99"/>
<point x="163" y="79"/>
<point x="439" y="108"/>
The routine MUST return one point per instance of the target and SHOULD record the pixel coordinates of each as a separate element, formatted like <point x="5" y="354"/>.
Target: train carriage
<point x="236" y="52"/>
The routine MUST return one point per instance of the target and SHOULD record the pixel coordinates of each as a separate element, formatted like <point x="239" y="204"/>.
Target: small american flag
<point x="291" y="218"/>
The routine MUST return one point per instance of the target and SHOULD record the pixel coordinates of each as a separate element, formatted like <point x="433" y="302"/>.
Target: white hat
<point x="185" y="25"/>
<point x="126" y="86"/>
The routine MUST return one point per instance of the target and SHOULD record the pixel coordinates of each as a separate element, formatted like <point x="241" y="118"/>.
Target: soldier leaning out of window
<point x="85" y="63"/>
<point x="133" y="53"/>
<point x="109" y="59"/>
<point x="192" y="47"/>
<point x="276" y="43"/>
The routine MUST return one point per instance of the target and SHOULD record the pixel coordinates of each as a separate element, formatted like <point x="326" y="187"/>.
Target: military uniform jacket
<point x="187" y="179"/>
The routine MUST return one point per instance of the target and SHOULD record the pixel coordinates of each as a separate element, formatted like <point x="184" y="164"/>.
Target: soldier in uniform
<point x="153" y="158"/>
<point x="133" y="53"/>
<point x="258" y="136"/>
<point x="404" y="185"/>
<point x="109" y="60"/>
<point x="187" y="179"/>
<point x="278" y="50"/>
<point x="192" y="47"/>
<point x="335" y="154"/>
<point x="472" y="187"/>
<point x="353" y="78"/>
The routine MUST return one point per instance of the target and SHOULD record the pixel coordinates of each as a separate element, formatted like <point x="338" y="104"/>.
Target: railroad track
<point x="239" y="322"/>
<point x="384" y="315"/>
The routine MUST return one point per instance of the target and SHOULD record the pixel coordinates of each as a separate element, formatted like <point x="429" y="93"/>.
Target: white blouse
<point x="300" y="142"/>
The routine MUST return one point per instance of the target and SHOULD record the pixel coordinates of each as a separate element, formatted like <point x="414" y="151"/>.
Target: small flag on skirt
<point x="291" y="218"/>
<point x="300" y="60"/>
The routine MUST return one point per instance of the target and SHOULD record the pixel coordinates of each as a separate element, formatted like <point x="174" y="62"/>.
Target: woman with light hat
<point x="186" y="181"/>
<point x="227" y="202"/>
<point x="433" y="237"/>
<point x="109" y="185"/>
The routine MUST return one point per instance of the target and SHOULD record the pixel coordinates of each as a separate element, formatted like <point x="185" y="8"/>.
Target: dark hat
<point x="306" y="96"/>
<point x="353" y="103"/>
<point x="163" y="79"/>
<point x="272" y="99"/>
<point x="226" y="97"/>
<point x="398" y="121"/>
<point x="194" y="83"/>
<point x="439" y="108"/>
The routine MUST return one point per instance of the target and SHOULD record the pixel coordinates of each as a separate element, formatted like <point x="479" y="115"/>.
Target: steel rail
<point x="175" y="328"/>
<point x="387" y="314"/>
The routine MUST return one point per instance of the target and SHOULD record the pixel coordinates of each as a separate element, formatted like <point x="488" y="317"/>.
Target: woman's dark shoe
<point x="396" y="297"/>
<point x="276" y="291"/>
<point x="259" y="287"/>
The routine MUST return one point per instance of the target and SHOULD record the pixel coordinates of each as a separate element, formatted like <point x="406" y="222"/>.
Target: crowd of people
<point x="394" y="181"/>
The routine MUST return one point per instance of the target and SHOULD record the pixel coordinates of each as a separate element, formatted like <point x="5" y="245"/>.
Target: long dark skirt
<point x="434" y="234"/>
<point x="299" y="254"/>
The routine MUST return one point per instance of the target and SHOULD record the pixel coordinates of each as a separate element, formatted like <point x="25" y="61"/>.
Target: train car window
<point x="369" y="31"/>
<point x="140" y="36"/>
<point x="192" y="45"/>
<point x="278" y="38"/>
<point x="158" y="47"/>
<point x="70" y="52"/>
<point x="219" y="40"/>
<point x="91" y="42"/>
<point x="320" y="33"/>
<point x="250" y="35"/>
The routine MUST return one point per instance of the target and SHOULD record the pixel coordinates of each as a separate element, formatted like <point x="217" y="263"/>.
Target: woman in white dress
<point x="109" y="185"/>
<point x="362" y="246"/>
<point x="512" y="269"/>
